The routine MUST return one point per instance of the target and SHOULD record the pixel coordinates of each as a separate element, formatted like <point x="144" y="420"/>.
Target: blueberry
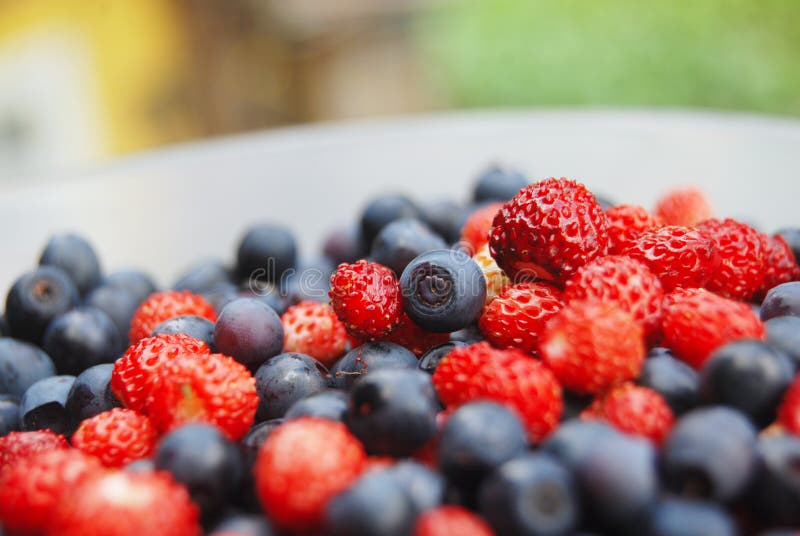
<point x="249" y="446"/>
<point x="221" y="295"/>
<point x="781" y="300"/>
<point x="401" y="241"/>
<point x="265" y="253"/>
<point x="243" y="525"/>
<point x="42" y="405"/>
<point x="393" y="412"/>
<point x="75" y="256"/>
<point x="498" y="184"/>
<point x="574" y="404"/>
<point x="679" y="517"/>
<point x="676" y="381"/>
<point x="424" y="487"/>
<point x="775" y="493"/>
<point x="250" y="331"/>
<point x="9" y="414"/>
<point x="382" y="211"/>
<point x="370" y="356"/>
<point x="430" y="359"/>
<point x="311" y="281"/>
<point x="468" y="335"/>
<point x="202" y="459"/>
<point x="197" y="327"/>
<point x="749" y="376"/>
<point x="573" y="439"/>
<point x="268" y="294"/>
<point x="344" y="245"/>
<point x="710" y="454"/>
<point x="81" y="338"/>
<point x="328" y="404"/>
<point x="443" y="290"/>
<point x="792" y="237"/>
<point x="445" y="218"/>
<point x="117" y="303"/>
<point x="4" y="332"/>
<point x="35" y="299"/>
<point x="374" y="505"/>
<point x="285" y="379"/>
<point x="142" y="465"/>
<point x="90" y="394"/>
<point x="531" y="494"/>
<point x="783" y="334"/>
<point x="203" y="277"/>
<point x="137" y="283"/>
<point x="21" y="365"/>
<point x="477" y="438"/>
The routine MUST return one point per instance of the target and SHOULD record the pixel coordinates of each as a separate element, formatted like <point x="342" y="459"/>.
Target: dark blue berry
<point x="681" y="517"/>
<point x="249" y="446"/>
<point x="792" y="237"/>
<point x="783" y="334"/>
<point x="574" y="404"/>
<point x="443" y="291"/>
<point x="221" y="295"/>
<point x="4" y="332"/>
<point x="328" y="404"/>
<point x="137" y="283"/>
<point x="393" y="412"/>
<point x="423" y="486"/>
<point x="430" y="359"/>
<point x="35" y="299"/>
<point x="469" y="335"/>
<point x="375" y="505"/>
<point x="9" y="414"/>
<point x="90" y="394"/>
<point x="268" y="293"/>
<point x="402" y="241"/>
<point x="344" y="245"/>
<point x="82" y="338"/>
<point x="498" y="184"/>
<point x="673" y="379"/>
<point x="203" y="277"/>
<point x="117" y="303"/>
<point x="243" y="525"/>
<point x="75" y="256"/>
<point x="311" y="281"/>
<point x="531" y="494"/>
<point x="573" y="439"/>
<point x="21" y="365"/>
<point x="781" y="300"/>
<point x="197" y="327"/>
<point x="265" y="253"/>
<point x="250" y="331"/>
<point x="382" y="211"/>
<point x="775" y="493"/>
<point x="445" y="218"/>
<point x="285" y="379"/>
<point x="710" y="454"/>
<point x="370" y="356"/>
<point x="42" y="405"/>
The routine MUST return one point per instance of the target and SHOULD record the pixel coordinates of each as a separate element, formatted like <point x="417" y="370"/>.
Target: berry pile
<point x="564" y="366"/>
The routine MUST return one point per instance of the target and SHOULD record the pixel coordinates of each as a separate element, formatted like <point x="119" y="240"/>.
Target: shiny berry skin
<point x="475" y="232"/>
<point x="496" y="280"/>
<point x="312" y="328"/>
<point x="624" y="282"/>
<point x="741" y="250"/>
<point x="774" y="496"/>
<point x="286" y="379"/>
<point x="321" y="454"/>
<point x="73" y="254"/>
<point x="213" y="389"/>
<point x="138" y="284"/>
<point x="43" y="404"/>
<point x="116" y="437"/>
<point x="591" y="346"/>
<point x="789" y="410"/>
<point x="250" y="331"/>
<point x="780" y="265"/>
<point x="328" y="404"/>
<point x="510" y="377"/>
<point x="119" y="304"/>
<point x="81" y="338"/>
<point x="370" y="357"/>
<point x="626" y="223"/>
<point x="634" y="410"/>
<point x="203" y="277"/>
<point x="497" y="183"/>
<point x="376" y="503"/>
<point x="683" y="206"/>
<point x="90" y="395"/>
<point x="132" y="378"/>
<point x="366" y="298"/>
<point x="35" y="299"/>
<point x="783" y="334"/>
<point x="381" y="211"/>
<point x="23" y="364"/>
<point x="549" y="230"/>
<point x="162" y="306"/>
<point x="673" y="379"/>
<point x="196" y="327"/>
<point x="265" y="253"/>
<point x="451" y="519"/>
<point x="697" y="322"/>
<point x="783" y="300"/>
<point x="411" y="336"/>
<point x="679" y="256"/>
<point x="18" y="446"/>
<point x="517" y="316"/>
<point x="431" y="359"/>
<point x="401" y="241"/>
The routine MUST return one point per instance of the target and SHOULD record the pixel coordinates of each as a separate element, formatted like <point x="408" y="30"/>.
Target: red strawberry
<point x="624" y="282"/>
<point x="789" y="410"/>
<point x="120" y="503"/>
<point x="18" y="446"/>
<point x="133" y="373"/>
<point x="741" y="250"/>
<point x="496" y="280"/>
<point x="451" y="520"/>
<point x="35" y="486"/>
<point x="366" y="298"/>
<point x="591" y="346"/>
<point x="475" y="232"/>
<point x="510" y="377"/>
<point x="780" y="265"/>
<point x="415" y="338"/>
<point x="312" y="328"/>
<point x="161" y="306"/>
<point x="516" y="317"/>
<point x="679" y="256"/>
<point x="626" y="223"/>
<point x="686" y="206"/>
<point x="301" y="466"/>
<point x="697" y="322"/>
<point x="549" y="230"/>
<point x="634" y="410"/>
<point x="214" y="389"/>
<point x="116" y="437"/>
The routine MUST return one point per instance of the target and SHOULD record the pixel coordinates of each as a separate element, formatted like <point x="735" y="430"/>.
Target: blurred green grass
<point x="730" y="54"/>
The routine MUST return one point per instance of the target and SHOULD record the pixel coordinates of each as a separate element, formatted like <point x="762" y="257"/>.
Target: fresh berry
<point x="789" y="409"/>
<point x="42" y="405"/>
<point x="321" y="454"/>
<point x="496" y="280"/>
<point x="497" y="183"/>
<point x="792" y="237"/>
<point x="312" y="328"/>
<point x="575" y="438"/>
<point x="775" y="492"/>
<point x="450" y="519"/>
<point x="410" y="335"/>
<point x="310" y="282"/>
<point x="162" y="306"/>
<point x="265" y="253"/>
<point x="382" y="211"/>
<point x="549" y="230"/>
<point x="344" y="245"/>
<point x="366" y="298"/>
<point x="9" y="414"/>
<point x="679" y="517"/>
<point x="783" y="334"/>
<point x="516" y="317"/>
<point x="35" y="299"/>
<point x="742" y="254"/>
<point x="475" y="232"/>
<point x="18" y="446"/>
<point x="116" y="437"/>
<point x="673" y="379"/>
<point x="90" y="395"/>
<point x="635" y="410"/>
<point x="782" y="300"/>
<point x="445" y="217"/>
<point x="697" y="322"/>
<point x="679" y="256"/>
<point x="425" y="487"/>
<point x="373" y="504"/>
<point x="74" y="255"/>
<point x="431" y="359"/>
<point x="401" y="241"/>
<point x="626" y="223"/>
<point x="203" y="277"/>
<point x="82" y="338"/>
<point x="116" y="302"/>
<point x="213" y="389"/>
<point x="137" y="283"/>
<point x="685" y="206"/>
<point x="286" y="379"/>
<point x="250" y="331"/>
<point x="195" y="327"/>
<point x="780" y="265"/>
<point x="591" y="346"/>
<point x="328" y="404"/>
<point x="22" y="364"/>
<point x="369" y="357"/>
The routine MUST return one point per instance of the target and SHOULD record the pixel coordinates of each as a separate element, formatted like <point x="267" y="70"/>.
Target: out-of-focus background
<point x="85" y="80"/>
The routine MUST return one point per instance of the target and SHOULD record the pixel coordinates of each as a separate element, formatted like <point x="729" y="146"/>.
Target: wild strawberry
<point x="162" y="306"/>
<point x="366" y="298"/>
<point x="320" y="454"/>
<point x="696" y="322"/>
<point x="626" y="223"/>
<point x="450" y="520"/>
<point x="132" y="377"/>
<point x="549" y="230"/>
<point x="116" y="437"/>
<point x="685" y="206"/>
<point x="413" y="337"/>
<point x="475" y="232"/>
<point x="496" y="280"/>
<point x="516" y="317"/>
<point x="18" y="446"/>
<point x="214" y="389"/>
<point x="780" y="265"/>
<point x="789" y="410"/>
<point x="312" y="328"/>
<point x="510" y="377"/>
<point x="591" y="346"/>
<point x="621" y="281"/>
<point x="679" y="256"/>
<point x="741" y="250"/>
<point x="634" y="410"/>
